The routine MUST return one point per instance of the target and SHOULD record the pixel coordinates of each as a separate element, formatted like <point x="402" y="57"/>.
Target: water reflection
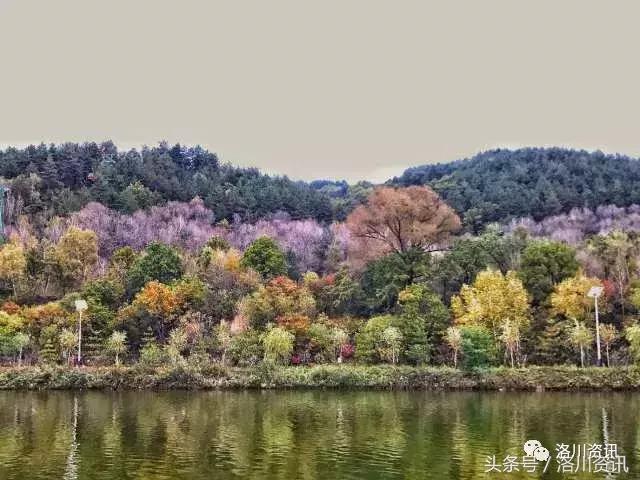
<point x="297" y="435"/>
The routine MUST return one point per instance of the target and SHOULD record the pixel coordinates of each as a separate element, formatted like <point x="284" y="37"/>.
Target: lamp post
<point x="594" y="293"/>
<point x="81" y="306"/>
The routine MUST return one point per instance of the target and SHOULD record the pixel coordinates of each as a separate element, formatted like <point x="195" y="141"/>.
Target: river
<point x="308" y="434"/>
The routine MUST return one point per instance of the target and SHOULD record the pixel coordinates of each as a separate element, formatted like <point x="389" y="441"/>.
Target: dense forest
<point x="60" y="179"/>
<point x="498" y="185"/>
<point x="182" y="261"/>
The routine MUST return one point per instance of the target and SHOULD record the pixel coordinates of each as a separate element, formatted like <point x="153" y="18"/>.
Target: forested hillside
<point x="60" y="179"/>
<point x="494" y="186"/>
<point x="498" y="185"/>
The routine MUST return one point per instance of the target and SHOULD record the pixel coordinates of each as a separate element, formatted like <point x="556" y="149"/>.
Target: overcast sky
<point x="324" y="89"/>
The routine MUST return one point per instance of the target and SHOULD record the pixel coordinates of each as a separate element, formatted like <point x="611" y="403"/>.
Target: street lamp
<point x="594" y="293"/>
<point x="81" y="306"/>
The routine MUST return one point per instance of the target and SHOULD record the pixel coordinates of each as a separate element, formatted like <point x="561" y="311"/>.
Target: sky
<point x="353" y="89"/>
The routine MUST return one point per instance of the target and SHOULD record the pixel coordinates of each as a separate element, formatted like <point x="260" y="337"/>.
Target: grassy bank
<point x="325" y="376"/>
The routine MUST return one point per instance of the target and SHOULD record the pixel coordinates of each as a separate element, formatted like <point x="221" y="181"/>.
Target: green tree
<point x="158" y="262"/>
<point x="632" y="335"/>
<point x="544" y="264"/>
<point x="264" y="256"/>
<point x="422" y="321"/>
<point x="369" y="339"/>
<point x="478" y="348"/>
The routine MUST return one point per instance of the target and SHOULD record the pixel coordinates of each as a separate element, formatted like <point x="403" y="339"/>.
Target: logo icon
<point x="533" y="448"/>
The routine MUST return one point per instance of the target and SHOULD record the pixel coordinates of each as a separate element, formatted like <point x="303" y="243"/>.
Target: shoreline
<point x="354" y="377"/>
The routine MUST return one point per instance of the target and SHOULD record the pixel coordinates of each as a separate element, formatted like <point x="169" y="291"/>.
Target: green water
<point x="300" y="435"/>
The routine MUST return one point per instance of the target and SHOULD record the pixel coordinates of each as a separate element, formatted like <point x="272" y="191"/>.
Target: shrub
<point x="245" y="348"/>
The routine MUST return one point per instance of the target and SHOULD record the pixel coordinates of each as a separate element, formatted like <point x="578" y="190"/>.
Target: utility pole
<point x="594" y="293"/>
<point x="81" y="306"/>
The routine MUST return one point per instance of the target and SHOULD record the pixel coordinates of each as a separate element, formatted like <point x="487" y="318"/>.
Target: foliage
<point x="278" y="345"/>
<point x="544" y="264"/>
<point x="369" y="340"/>
<point x="400" y="220"/>
<point x="492" y="300"/>
<point x="246" y="348"/>
<point x="280" y="297"/>
<point x="76" y="253"/>
<point x="498" y="185"/>
<point x="265" y="257"/>
<point x="478" y="348"/>
<point x="158" y="262"/>
<point x="454" y="340"/>
<point x="582" y="338"/>
<point x="569" y="297"/>
<point x="116" y="345"/>
<point x="13" y="264"/>
<point x="422" y="320"/>
<point x="632" y="335"/>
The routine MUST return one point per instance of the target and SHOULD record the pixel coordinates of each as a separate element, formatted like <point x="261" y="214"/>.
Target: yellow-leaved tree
<point x="13" y="263"/>
<point x="496" y="302"/>
<point x="569" y="297"/>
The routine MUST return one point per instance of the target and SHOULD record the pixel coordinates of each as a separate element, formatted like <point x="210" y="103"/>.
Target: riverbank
<point x="322" y="376"/>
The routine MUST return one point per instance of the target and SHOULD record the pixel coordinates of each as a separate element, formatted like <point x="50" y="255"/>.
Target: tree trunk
<point x="117" y="359"/>
<point x="582" y="356"/>
<point x="511" y="354"/>
<point x="455" y="359"/>
<point x="607" y="350"/>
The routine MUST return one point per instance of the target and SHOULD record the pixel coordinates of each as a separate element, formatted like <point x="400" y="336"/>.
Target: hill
<point x="498" y="185"/>
<point x="59" y="179"/>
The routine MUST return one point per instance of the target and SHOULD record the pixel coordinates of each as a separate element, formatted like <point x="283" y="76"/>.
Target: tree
<point x="116" y="345"/>
<point x="422" y="321"/>
<point x="21" y="341"/>
<point x="511" y="338"/>
<point x="582" y="338"/>
<point x="491" y="301"/>
<point x="384" y="278"/>
<point x="265" y="257"/>
<point x="279" y="298"/>
<point x="369" y="347"/>
<point x="478" y="347"/>
<point x="619" y="254"/>
<point x="608" y="335"/>
<point x="77" y="253"/>
<point x="391" y="344"/>
<point x="13" y="264"/>
<point x="68" y="341"/>
<point x="454" y="340"/>
<point x="544" y="264"/>
<point x="569" y="297"/>
<point x="177" y="343"/>
<point x="278" y="345"/>
<point x="159" y="262"/>
<point x="401" y="219"/>
<point x="632" y="335"/>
